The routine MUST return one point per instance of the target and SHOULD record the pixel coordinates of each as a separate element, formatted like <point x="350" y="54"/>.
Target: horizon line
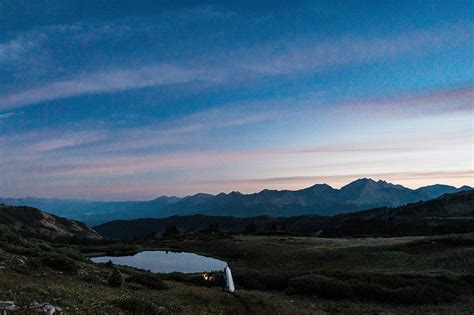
<point x="234" y="191"/>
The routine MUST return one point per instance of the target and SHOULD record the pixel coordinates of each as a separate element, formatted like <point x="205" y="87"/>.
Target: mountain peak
<point x="326" y="186"/>
<point x="361" y="182"/>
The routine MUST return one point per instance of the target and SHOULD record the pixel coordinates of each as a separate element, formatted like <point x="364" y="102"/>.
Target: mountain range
<point x="320" y="199"/>
<point x="448" y="214"/>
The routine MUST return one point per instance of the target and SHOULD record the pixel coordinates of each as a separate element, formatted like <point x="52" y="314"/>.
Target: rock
<point x="43" y="308"/>
<point x="7" y="306"/>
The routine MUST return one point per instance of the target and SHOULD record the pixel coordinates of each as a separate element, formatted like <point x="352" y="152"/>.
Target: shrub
<point x="71" y="253"/>
<point x="115" y="278"/>
<point x="468" y="278"/>
<point x="45" y="247"/>
<point x="22" y="247"/>
<point x="90" y="277"/>
<point x="61" y="263"/>
<point x="137" y="306"/>
<point x="387" y="288"/>
<point x="182" y="277"/>
<point x="148" y="280"/>
<point x="259" y="280"/>
<point x="33" y="263"/>
<point x="251" y="283"/>
<point x="320" y="285"/>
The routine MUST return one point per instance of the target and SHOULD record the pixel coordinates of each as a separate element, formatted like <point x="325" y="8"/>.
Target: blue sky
<point x="135" y="99"/>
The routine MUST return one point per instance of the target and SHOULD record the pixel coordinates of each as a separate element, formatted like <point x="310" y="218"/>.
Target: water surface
<point x="165" y="262"/>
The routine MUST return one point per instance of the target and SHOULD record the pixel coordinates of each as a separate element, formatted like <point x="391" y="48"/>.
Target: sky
<point x="117" y="100"/>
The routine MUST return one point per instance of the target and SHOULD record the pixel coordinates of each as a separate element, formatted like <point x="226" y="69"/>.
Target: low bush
<point x="182" y="277"/>
<point x="261" y="280"/>
<point x="90" y="277"/>
<point x="321" y="286"/>
<point x="71" y="253"/>
<point x="398" y="289"/>
<point x="148" y="280"/>
<point x="115" y="279"/>
<point x="60" y="263"/>
<point x="468" y="278"/>
<point x="45" y="247"/>
<point x="137" y="306"/>
<point x="22" y="247"/>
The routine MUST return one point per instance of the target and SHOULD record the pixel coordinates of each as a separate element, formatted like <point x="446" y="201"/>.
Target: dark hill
<point x="140" y="228"/>
<point x="450" y="213"/>
<point x="29" y="221"/>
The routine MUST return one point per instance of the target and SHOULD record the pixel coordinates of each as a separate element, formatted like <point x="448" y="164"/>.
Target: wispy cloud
<point x="47" y="166"/>
<point x="419" y="104"/>
<point x="184" y="130"/>
<point x="86" y="165"/>
<point x="309" y="55"/>
<point x="232" y="101"/>
<point x="236" y="67"/>
<point x="105" y="82"/>
<point x="15" y="49"/>
<point x="64" y="142"/>
<point x="7" y="115"/>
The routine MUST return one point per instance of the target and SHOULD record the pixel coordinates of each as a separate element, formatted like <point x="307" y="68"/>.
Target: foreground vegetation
<point x="273" y="274"/>
<point x="408" y="271"/>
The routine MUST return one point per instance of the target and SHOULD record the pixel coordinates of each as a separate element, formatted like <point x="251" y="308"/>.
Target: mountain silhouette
<point x="320" y="199"/>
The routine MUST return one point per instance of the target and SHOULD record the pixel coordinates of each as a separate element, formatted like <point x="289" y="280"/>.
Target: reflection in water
<point x="164" y="262"/>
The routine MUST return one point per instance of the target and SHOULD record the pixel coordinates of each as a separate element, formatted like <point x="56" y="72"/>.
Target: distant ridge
<point x="448" y="214"/>
<point x="319" y="199"/>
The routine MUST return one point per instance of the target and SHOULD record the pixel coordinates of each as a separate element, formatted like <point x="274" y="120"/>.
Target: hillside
<point x="320" y="199"/>
<point x="140" y="228"/>
<point x="451" y="213"/>
<point x="29" y="221"/>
